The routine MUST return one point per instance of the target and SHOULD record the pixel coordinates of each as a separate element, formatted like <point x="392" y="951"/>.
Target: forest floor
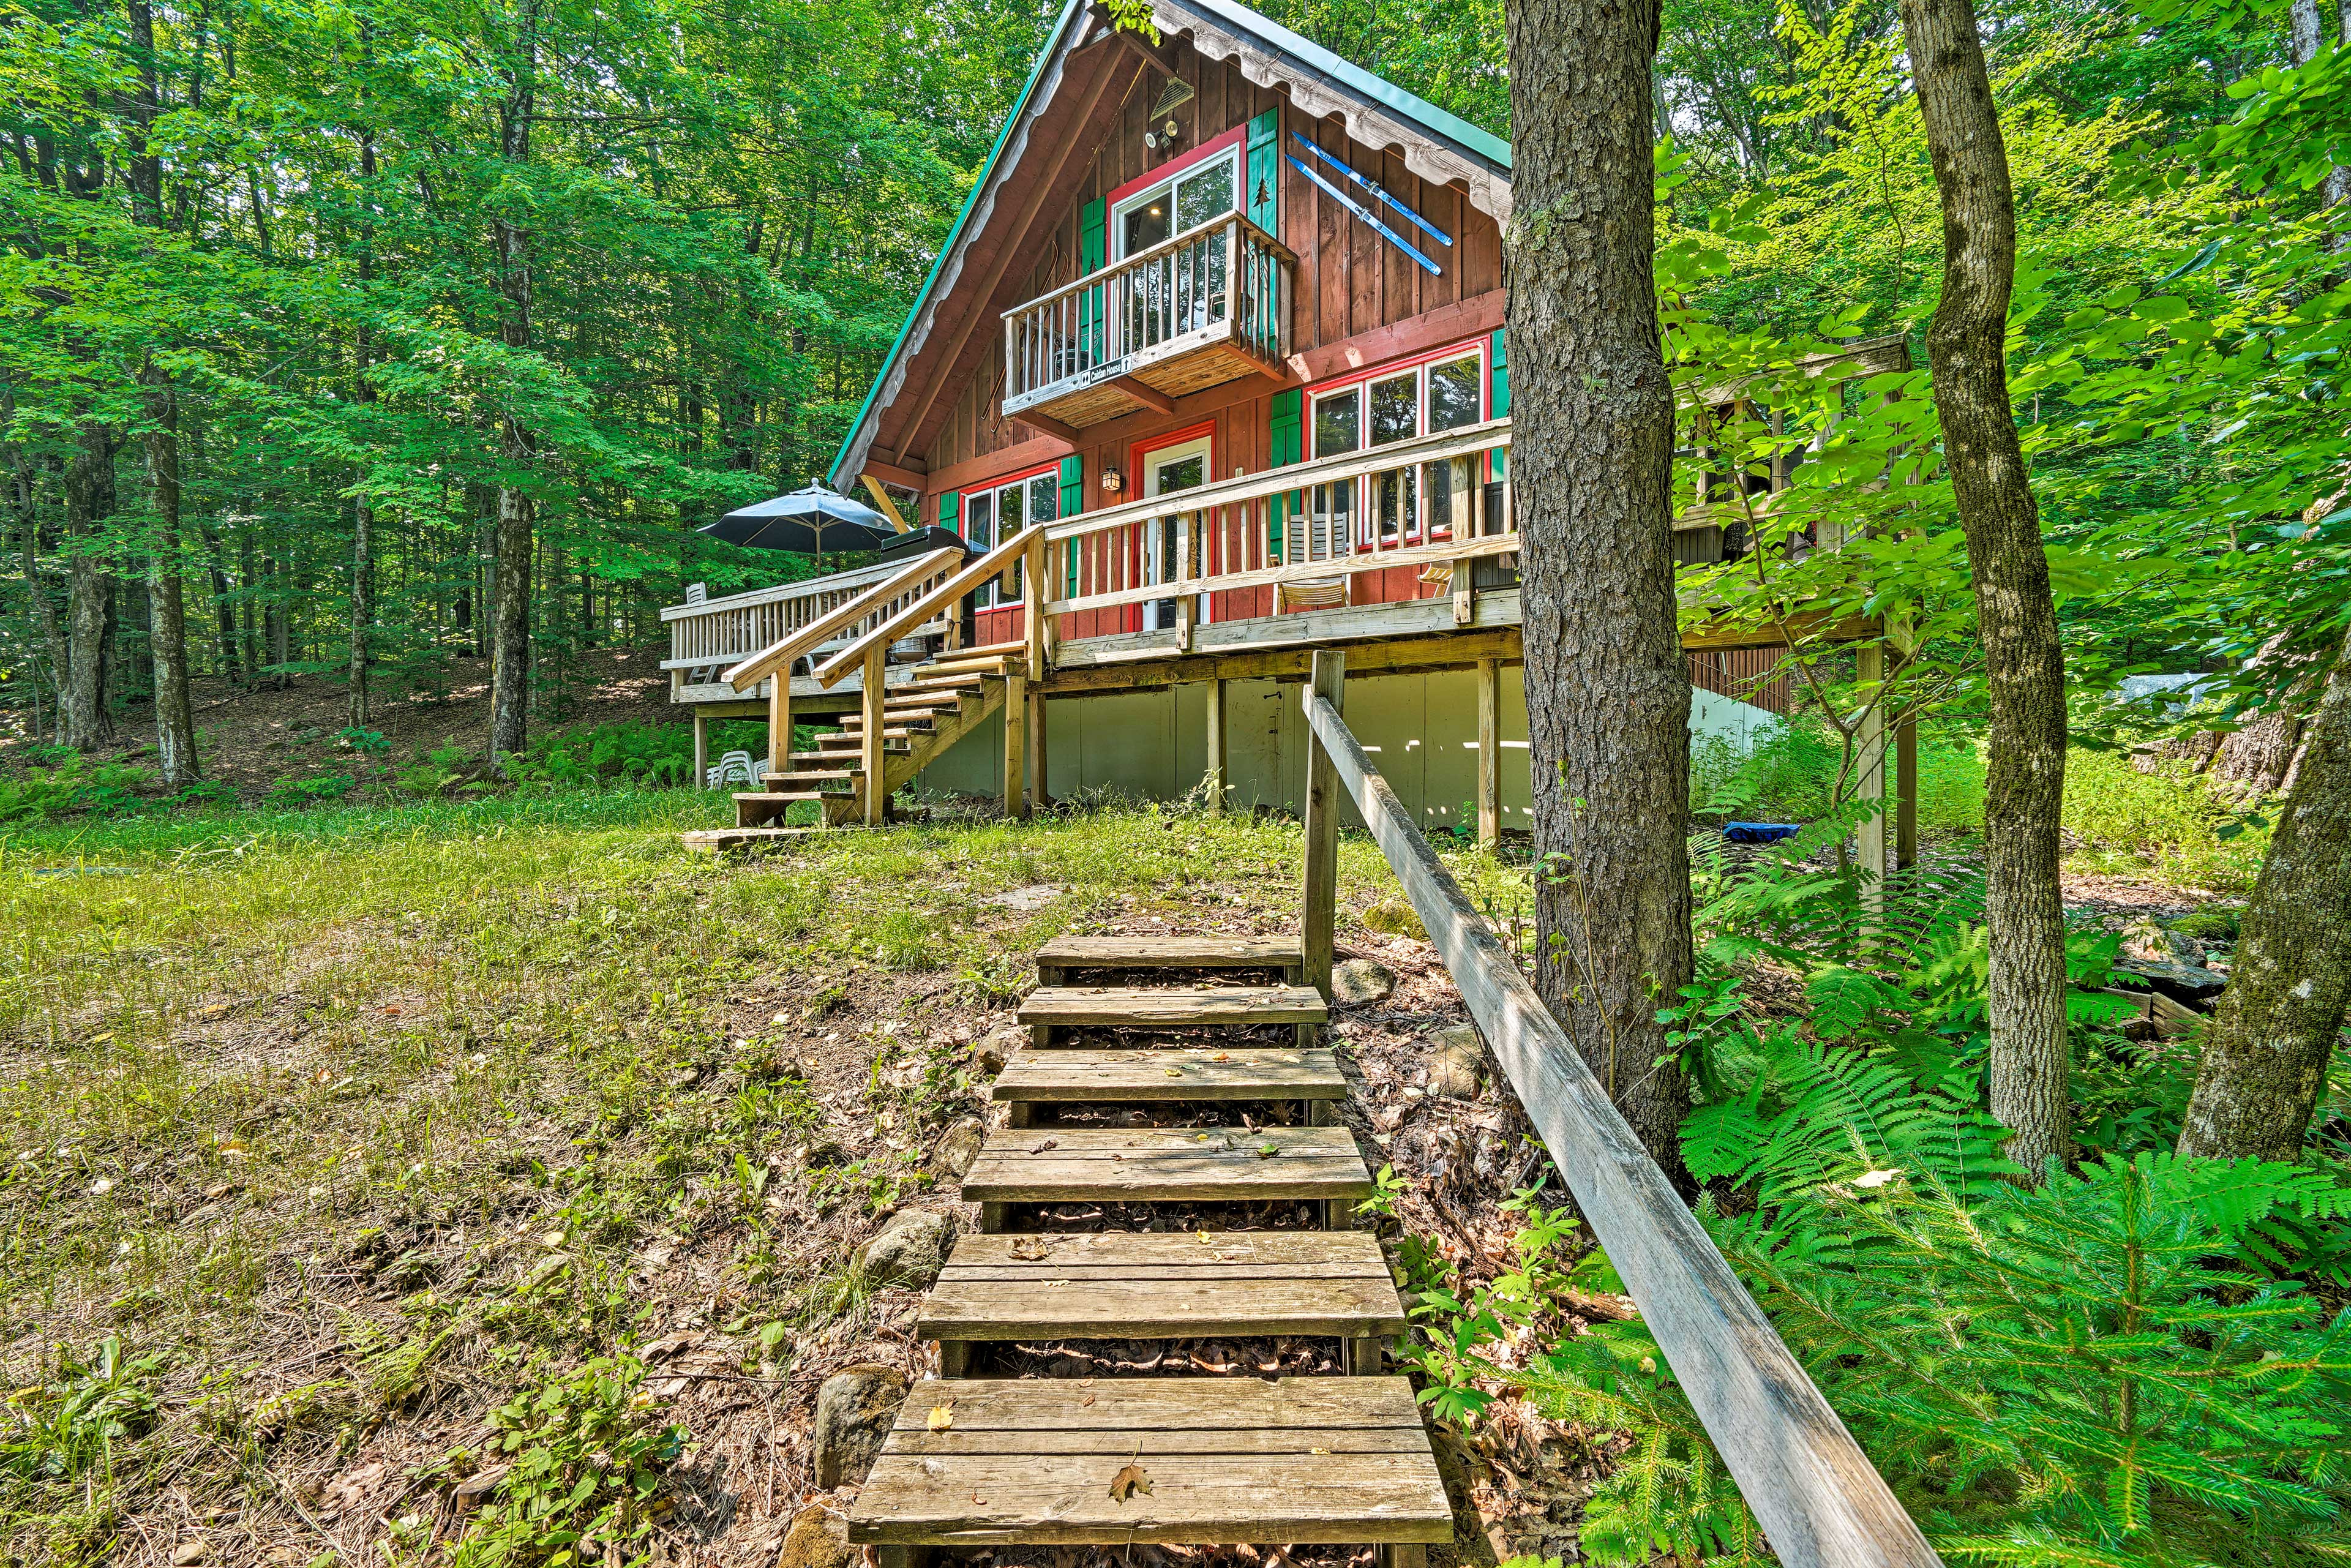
<point x="347" y="1139"/>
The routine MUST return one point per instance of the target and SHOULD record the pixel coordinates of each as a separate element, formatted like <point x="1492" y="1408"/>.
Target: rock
<point x="188" y="1554"/>
<point x="2148" y="943"/>
<point x="2191" y="985"/>
<point x="853" y="1411"/>
<point x="1394" y="916"/>
<point x="1359" y="982"/>
<point x="1456" y="1061"/>
<point x="996" y="1046"/>
<point x="908" y="1252"/>
<point x="957" y="1147"/>
<point x="817" y="1540"/>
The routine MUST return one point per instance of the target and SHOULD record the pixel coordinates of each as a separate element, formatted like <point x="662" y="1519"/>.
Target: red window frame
<point x="1168" y="171"/>
<point x="1479" y="346"/>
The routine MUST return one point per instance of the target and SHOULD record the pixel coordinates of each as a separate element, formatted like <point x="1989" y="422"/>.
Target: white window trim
<point x="1117" y="236"/>
<point x="1203" y="447"/>
<point x="1366" y="504"/>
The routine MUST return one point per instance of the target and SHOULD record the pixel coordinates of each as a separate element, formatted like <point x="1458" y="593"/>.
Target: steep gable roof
<point x="1063" y="111"/>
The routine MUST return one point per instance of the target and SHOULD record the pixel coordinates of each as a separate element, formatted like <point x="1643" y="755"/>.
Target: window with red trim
<point x="994" y="515"/>
<point x="1371" y="409"/>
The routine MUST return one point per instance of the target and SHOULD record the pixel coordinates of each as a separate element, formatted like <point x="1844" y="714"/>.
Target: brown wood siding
<point x="1750" y="675"/>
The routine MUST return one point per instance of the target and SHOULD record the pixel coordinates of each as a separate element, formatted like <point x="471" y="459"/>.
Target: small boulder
<point x="1456" y="1061"/>
<point x="998" y="1044"/>
<point x="818" y="1540"/>
<point x="2148" y="943"/>
<point x="853" y="1411"/>
<point x="957" y="1147"/>
<point x="1394" y="918"/>
<point x="2191" y="985"/>
<point x="907" y="1253"/>
<point x="1359" y="982"/>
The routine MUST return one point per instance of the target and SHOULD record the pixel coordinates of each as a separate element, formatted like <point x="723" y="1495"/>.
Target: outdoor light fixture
<point x="1113" y="481"/>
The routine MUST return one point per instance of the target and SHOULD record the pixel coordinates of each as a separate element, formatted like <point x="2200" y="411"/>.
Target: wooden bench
<point x="1230" y="1460"/>
<point x="1161" y="1285"/>
<point x="1168" y="1164"/>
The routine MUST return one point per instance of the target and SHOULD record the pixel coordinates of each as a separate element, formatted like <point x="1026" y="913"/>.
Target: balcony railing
<point x="719" y="632"/>
<point x="1210" y="305"/>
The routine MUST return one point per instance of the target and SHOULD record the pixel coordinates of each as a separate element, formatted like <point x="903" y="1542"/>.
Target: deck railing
<point x="1821" y="1502"/>
<point x="719" y="631"/>
<point x="1225" y="279"/>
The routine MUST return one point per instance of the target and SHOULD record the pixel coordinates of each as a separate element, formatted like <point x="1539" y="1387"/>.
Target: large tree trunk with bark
<point x="2267" y="1045"/>
<point x="2017" y="619"/>
<point x="83" y="711"/>
<point x="510" y="593"/>
<point x="175" y="714"/>
<point x="1608" y="690"/>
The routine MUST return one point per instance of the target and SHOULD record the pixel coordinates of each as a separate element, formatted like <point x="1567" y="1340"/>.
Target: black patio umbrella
<point x="813" y="521"/>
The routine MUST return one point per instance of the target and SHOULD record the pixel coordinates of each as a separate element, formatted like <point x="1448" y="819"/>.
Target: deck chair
<point x="734" y="767"/>
<point x="1314" y="593"/>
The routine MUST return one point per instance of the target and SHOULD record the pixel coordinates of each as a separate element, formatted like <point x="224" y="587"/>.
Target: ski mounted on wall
<point x="1376" y="189"/>
<point x="1365" y="213"/>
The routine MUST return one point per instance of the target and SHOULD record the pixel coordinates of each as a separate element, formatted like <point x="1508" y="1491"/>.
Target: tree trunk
<point x="2266" y="1048"/>
<point x="223" y="602"/>
<point x="250" y="573"/>
<point x="511" y="595"/>
<point x="167" y="637"/>
<point x="82" y="711"/>
<point x="2017" y="620"/>
<point x="1608" y="690"/>
<point x="363" y="606"/>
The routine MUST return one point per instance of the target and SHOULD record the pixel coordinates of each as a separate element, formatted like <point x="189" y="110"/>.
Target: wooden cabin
<point x="1212" y="368"/>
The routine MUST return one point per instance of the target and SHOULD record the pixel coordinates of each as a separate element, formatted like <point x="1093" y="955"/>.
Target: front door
<point x="1167" y="471"/>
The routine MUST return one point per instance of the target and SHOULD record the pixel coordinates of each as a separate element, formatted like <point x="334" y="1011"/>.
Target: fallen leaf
<point x="1033" y="1250"/>
<point x="1174" y="1072"/>
<point x="1200" y="1138"/>
<point x="1048" y="1143"/>
<point x="942" y="1416"/>
<point x="1128" y="1482"/>
<point x="1204" y="1239"/>
<point x="1086" y="1401"/>
<point x="1267" y="1151"/>
<point x="1318" y="1450"/>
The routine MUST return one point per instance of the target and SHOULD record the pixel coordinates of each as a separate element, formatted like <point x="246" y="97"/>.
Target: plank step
<point x="1166" y="1165"/>
<point x="1119" y="1077"/>
<point x="1148" y="1285"/>
<point x="1063" y="953"/>
<point x="843" y="740"/>
<point x="1172" y="1007"/>
<point x="708" y="839"/>
<point x="775" y="797"/>
<point x="942" y="685"/>
<point x="1231" y="1460"/>
<point x="809" y="778"/>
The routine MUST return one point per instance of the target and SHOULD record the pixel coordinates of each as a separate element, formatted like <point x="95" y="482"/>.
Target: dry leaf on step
<point x="1048" y="1143"/>
<point x="1128" y="1482"/>
<point x="1033" y="1250"/>
<point x="942" y="1416"/>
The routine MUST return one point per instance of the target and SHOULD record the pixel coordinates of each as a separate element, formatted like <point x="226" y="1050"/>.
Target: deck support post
<point x="1875" y="837"/>
<point x="955" y="1358"/>
<point x="1016" y="743"/>
<point x="701" y="750"/>
<point x="1218" y="746"/>
<point x="779" y="727"/>
<point x="1906" y="791"/>
<point x="1187" y="566"/>
<point x="1490" y="752"/>
<point x="874" y="750"/>
<point x="1322" y="880"/>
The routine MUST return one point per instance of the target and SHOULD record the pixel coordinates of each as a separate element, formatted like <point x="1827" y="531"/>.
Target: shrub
<point x="294" y="794"/>
<point x="2168" y="821"/>
<point x="624" y="752"/>
<point x="72" y="783"/>
<point x="68" y="1425"/>
<point x="1790" y="775"/>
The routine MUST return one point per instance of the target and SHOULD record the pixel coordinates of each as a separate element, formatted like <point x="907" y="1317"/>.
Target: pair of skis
<point x="1369" y="217"/>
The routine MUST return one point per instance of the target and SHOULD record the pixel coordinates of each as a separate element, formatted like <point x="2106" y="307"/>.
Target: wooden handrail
<point x="1094" y="280"/>
<point x="1469" y="549"/>
<point x="1818" y="1498"/>
<point x="781" y="654"/>
<point x="995" y="563"/>
<point x="1492" y="436"/>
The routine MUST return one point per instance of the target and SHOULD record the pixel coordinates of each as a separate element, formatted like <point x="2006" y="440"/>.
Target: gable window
<point x="1200" y="192"/>
<point x="992" y="515"/>
<point x="1444" y="392"/>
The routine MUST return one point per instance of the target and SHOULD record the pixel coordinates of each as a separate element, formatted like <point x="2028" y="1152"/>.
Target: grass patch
<point x="2172" y="822"/>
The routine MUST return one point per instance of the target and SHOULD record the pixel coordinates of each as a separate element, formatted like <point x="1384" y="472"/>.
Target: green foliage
<point x="68" y="1426"/>
<point x="73" y="783"/>
<point x="2176" y="825"/>
<point x="625" y="751"/>
<point x="293" y="794"/>
<point x="587" y="1452"/>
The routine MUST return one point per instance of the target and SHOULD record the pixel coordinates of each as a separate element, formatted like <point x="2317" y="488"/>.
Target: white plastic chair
<point x="733" y="768"/>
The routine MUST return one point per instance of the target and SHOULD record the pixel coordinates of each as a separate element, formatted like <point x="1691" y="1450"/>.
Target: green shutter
<point x="1265" y="171"/>
<point x="1501" y="378"/>
<point x="1285" y="432"/>
<point x="951" y="509"/>
<point x="1089" y="260"/>
<point x="1074" y="501"/>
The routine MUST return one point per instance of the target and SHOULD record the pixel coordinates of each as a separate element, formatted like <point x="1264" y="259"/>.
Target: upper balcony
<point x="1205" y="307"/>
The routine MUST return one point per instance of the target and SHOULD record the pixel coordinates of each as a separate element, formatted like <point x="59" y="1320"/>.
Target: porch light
<point x="1112" y="482"/>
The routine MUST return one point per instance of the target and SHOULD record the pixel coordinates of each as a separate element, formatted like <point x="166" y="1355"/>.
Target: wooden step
<point x="1171" y="1007"/>
<point x="1167" y="1165"/>
<point x="838" y="758"/>
<point x="708" y="839"/>
<point x="808" y="777"/>
<point x="1057" y="958"/>
<point x="1230" y="1460"/>
<point x="953" y="659"/>
<point x="1139" y="1285"/>
<point x="841" y="740"/>
<point x="945" y="685"/>
<point x="1123" y="1077"/>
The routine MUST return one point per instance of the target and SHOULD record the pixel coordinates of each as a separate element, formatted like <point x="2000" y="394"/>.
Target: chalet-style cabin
<point x="1223" y="311"/>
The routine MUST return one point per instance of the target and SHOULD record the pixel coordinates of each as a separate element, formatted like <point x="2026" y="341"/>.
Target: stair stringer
<point x="899" y="768"/>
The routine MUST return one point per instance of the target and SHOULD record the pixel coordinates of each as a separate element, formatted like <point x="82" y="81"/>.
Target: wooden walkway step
<point x="1135" y="1077"/>
<point x="1167" y="1165"/>
<point x="1156" y="1285"/>
<point x="1171" y="1007"/>
<point x="1230" y="1460"/>
<point x="709" y="839"/>
<point x="1057" y="958"/>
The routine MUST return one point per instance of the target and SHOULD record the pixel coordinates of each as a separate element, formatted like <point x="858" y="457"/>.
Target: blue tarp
<point x="1759" y="832"/>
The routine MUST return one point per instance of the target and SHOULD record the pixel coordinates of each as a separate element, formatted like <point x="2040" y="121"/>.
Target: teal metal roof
<point x="1354" y="78"/>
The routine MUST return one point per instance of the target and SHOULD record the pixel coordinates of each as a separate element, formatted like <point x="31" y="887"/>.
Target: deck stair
<point x="921" y="719"/>
<point x="1340" y="1460"/>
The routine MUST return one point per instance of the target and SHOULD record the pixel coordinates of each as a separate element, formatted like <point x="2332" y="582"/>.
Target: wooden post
<point x="1218" y="746"/>
<point x="1905" y="791"/>
<point x="1875" y="836"/>
<point x="1321" y="891"/>
<point x="1489" y="750"/>
<point x="701" y="749"/>
<point x="1016" y="743"/>
<point x="1187" y="560"/>
<point x="1033" y="606"/>
<point x="875" y="753"/>
<point x="779" y="724"/>
<point x="1038" y="799"/>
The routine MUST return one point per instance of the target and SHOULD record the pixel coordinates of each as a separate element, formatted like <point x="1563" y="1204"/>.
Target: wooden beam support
<point x="888" y="507"/>
<point x="1327" y="684"/>
<point x="701" y="750"/>
<point x="1489" y="751"/>
<point x="1143" y="392"/>
<point x="779" y="724"/>
<point x="1220" y="746"/>
<point x="1016" y="745"/>
<point x="1047" y="424"/>
<point x="909" y="473"/>
<point x="873" y="757"/>
<point x="1411" y="655"/>
<point x="1039" y="796"/>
